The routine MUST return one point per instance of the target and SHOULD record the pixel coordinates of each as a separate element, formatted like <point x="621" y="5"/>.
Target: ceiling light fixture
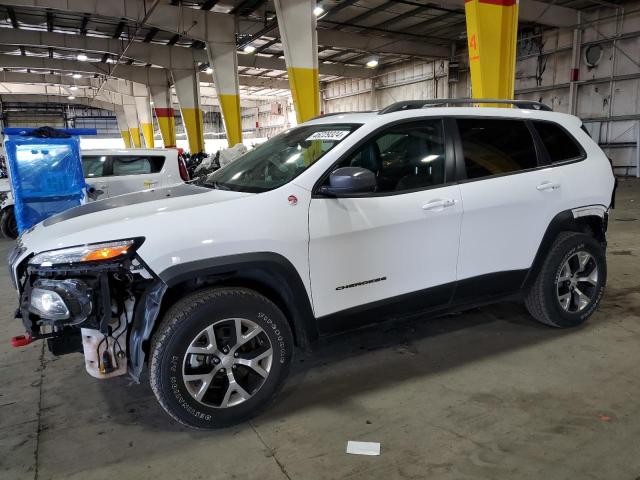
<point x="82" y="57"/>
<point x="73" y="88"/>
<point x="209" y="71"/>
<point x="71" y="97"/>
<point x="373" y="63"/>
<point x="318" y="11"/>
<point x="76" y="75"/>
<point x="249" y="49"/>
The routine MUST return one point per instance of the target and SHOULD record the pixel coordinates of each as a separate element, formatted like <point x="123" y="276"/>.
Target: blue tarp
<point x="46" y="175"/>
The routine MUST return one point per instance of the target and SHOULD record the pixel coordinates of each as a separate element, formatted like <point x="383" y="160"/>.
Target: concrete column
<point x="123" y="127"/>
<point x="132" y="121"/>
<point x="223" y="58"/>
<point x="297" y="25"/>
<point x="187" y="85"/>
<point x="143" y="109"/>
<point x="492" y="28"/>
<point x="163" y="108"/>
<point x="574" y="74"/>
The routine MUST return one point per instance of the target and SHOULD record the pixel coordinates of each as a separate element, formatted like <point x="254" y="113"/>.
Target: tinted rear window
<point x="559" y="144"/>
<point x="496" y="147"/>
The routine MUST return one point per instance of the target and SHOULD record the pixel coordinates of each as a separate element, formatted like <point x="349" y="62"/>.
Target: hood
<point x="132" y="215"/>
<point x="127" y="200"/>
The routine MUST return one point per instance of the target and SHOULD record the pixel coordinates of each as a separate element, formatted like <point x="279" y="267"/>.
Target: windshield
<point x="279" y="160"/>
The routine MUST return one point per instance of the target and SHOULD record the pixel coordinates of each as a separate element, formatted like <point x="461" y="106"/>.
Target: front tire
<point x="220" y="356"/>
<point x="8" y="224"/>
<point x="571" y="282"/>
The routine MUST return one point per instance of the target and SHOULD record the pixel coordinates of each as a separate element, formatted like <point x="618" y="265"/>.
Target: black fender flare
<point x="269" y="269"/>
<point x="563" y="222"/>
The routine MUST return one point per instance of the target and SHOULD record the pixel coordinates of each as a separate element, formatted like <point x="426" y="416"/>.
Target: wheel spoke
<point x="583" y="259"/>
<point x="592" y="278"/>
<point x="565" y="300"/>
<point x="233" y="387"/>
<point x="254" y="363"/>
<point x="211" y="346"/>
<point x="204" y="378"/>
<point x="582" y="299"/>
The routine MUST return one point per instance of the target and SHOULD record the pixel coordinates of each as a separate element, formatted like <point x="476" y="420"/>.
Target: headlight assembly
<point x="97" y="252"/>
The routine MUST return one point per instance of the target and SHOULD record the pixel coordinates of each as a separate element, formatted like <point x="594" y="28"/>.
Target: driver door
<point x="398" y="244"/>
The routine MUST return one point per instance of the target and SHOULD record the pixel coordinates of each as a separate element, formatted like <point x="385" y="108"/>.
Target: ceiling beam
<point x="49" y="21"/>
<point x="208" y="5"/>
<point x="153" y="31"/>
<point x="161" y="55"/>
<point x="83" y="25"/>
<point x="12" y="17"/>
<point x="119" y="30"/>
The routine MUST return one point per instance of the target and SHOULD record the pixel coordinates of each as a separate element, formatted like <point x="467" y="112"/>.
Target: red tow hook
<point x="21" y="340"/>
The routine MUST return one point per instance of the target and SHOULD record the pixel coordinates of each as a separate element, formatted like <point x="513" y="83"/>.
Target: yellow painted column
<point x="223" y="58"/>
<point x="143" y="109"/>
<point x="187" y="85"/>
<point x="165" y="115"/>
<point x="135" y="137"/>
<point x="132" y="122"/>
<point x="492" y="29"/>
<point x="121" y="120"/>
<point x="126" y="137"/>
<point x="297" y="25"/>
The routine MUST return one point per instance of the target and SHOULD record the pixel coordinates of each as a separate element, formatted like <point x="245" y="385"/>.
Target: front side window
<point x="559" y="144"/>
<point x="407" y="156"/>
<point x="136" y="164"/>
<point x="279" y="160"/>
<point x="496" y="146"/>
<point x="93" y="166"/>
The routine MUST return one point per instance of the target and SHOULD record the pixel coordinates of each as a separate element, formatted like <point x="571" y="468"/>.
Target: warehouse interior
<point x="479" y="394"/>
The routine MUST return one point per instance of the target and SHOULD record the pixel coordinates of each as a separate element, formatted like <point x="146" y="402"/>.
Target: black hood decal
<point x="181" y="190"/>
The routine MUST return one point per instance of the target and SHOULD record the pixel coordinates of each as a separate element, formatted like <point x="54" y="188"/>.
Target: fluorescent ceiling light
<point x="77" y="75"/>
<point x="82" y="57"/>
<point x="249" y="49"/>
<point x="373" y="63"/>
<point x="71" y="97"/>
<point x="73" y="87"/>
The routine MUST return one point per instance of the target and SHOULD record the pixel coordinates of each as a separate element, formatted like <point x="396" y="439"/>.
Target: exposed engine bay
<point x="85" y="307"/>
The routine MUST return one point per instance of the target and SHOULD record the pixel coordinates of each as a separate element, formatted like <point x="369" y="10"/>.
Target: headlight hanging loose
<point x="97" y="252"/>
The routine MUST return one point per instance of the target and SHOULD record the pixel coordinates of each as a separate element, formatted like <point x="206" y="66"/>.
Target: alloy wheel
<point x="227" y="362"/>
<point x="577" y="282"/>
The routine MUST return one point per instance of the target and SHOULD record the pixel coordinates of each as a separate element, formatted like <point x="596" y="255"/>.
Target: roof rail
<point x="333" y="114"/>
<point x="439" y="102"/>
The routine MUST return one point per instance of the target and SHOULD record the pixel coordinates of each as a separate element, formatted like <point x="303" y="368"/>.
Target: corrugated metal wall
<point x="608" y="92"/>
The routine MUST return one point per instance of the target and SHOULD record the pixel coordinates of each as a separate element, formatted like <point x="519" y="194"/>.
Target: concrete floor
<point x="486" y="394"/>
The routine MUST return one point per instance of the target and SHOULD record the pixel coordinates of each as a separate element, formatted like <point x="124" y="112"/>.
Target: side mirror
<point x="348" y="180"/>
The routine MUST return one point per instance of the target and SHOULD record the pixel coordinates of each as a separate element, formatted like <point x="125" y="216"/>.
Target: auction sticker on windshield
<point x="335" y="135"/>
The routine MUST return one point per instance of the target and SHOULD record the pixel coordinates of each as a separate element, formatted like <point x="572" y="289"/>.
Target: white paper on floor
<point x="363" y="448"/>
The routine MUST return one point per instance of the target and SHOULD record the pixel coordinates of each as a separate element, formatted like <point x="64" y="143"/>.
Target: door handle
<point x="546" y="186"/>
<point x="439" y="204"/>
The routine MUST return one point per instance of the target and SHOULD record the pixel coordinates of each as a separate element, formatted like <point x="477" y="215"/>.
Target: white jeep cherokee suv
<point x="333" y="224"/>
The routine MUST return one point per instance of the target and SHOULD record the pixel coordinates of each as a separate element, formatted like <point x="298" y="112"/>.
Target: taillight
<point x="184" y="173"/>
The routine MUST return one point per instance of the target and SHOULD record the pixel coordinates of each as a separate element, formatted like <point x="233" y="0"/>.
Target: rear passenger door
<point x="508" y="202"/>
<point x="132" y="173"/>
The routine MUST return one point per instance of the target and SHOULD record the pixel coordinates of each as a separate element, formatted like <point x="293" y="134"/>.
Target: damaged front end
<point x="95" y="298"/>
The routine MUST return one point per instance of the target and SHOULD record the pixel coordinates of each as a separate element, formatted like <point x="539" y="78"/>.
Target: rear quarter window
<point x="136" y="164"/>
<point x="560" y="145"/>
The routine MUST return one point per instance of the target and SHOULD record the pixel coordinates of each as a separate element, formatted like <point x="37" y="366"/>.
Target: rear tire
<point x="219" y="357"/>
<point x="571" y="282"/>
<point x="8" y="225"/>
